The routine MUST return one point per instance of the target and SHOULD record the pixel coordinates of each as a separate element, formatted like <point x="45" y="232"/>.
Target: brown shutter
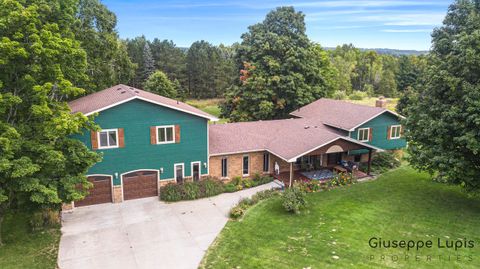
<point x="389" y="135"/>
<point x="94" y="140"/>
<point x="401" y="130"/>
<point x="370" y="134"/>
<point x="177" y="133"/>
<point x="121" y="138"/>
<point x="153" y="135"/>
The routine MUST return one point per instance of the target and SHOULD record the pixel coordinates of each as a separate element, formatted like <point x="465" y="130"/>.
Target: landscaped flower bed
<point x="209" y="187"/>
<point x="340" y="179"/>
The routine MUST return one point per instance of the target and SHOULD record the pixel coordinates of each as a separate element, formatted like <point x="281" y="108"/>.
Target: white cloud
<point x="407" y="30"/>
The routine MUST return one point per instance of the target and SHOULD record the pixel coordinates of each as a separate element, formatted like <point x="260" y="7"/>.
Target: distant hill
<point x="391" y="51"/>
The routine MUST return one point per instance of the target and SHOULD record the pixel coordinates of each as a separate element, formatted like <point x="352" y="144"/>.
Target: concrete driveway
<point x="145" y="233"/>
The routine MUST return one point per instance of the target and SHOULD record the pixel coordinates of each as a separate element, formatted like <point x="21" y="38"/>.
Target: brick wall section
<point x="235" y="164"/>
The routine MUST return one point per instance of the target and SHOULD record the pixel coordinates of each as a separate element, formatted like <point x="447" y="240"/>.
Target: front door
<point x="196" y="171"/>
<point x="334" y="158"/>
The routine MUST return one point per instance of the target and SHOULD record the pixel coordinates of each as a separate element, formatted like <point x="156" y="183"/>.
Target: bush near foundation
<point x="241" y="208"/>
<point x="208" y="187"/>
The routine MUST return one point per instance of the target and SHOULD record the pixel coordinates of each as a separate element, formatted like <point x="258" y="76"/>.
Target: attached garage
<point x="100" y="193"/>
<point x="140" y="184"/>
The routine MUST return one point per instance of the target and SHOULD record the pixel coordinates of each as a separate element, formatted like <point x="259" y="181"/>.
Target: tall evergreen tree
<point x="443" y="124"/>
<point x="148" y="62"/>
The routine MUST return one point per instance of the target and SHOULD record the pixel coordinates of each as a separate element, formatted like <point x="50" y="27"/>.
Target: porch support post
<point x="369" y="161"/>
<point x="291" y="175"/>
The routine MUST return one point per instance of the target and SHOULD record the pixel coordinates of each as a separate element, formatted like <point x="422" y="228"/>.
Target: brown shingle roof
<point x="285" y="138"/>
<point x="339" y="114"/>
<point x="119" y="94"/>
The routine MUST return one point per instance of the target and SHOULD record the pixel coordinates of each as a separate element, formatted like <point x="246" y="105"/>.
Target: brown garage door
<point x="140" y="184"/>
<point x="100" y="193"/>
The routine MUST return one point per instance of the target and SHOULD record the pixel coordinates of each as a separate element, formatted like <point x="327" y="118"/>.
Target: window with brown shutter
<point x="121" y="138"/>
<point x="94" y="140"/>
<point x="153" y="135"/>
<point x="177" y="133"/>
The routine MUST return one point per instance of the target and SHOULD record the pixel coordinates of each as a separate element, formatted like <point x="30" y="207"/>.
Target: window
<point x="179" y="175"/>
<point x="266" y="162"/>
<point x="196" y="171"/>
<point x="165" y="134"/>
<point x="245" y="165"/>
<point x="224" y="167"/>
<point x="357" y="158"/>
<point x="395" y="131"/>
<point x="108" y="139"/>
<point x="364" y="134"/>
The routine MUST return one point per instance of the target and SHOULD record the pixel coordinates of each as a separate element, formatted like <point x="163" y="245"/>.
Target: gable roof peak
<point x="122" y="93"/>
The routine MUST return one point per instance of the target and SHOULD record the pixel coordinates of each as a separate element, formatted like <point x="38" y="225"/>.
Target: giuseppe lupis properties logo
<point x="413" y="247"/>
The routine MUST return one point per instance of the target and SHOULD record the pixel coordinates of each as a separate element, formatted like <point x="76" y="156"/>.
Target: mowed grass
<point x="335" y="229"/>
<point x="210" y="106"/>
<point x="370" y="101"/>
<point x="26" y="249"/>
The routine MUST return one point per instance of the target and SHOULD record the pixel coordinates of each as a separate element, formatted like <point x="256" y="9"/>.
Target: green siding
<point x="380" y="127"/>
<point x="136" y="117"/>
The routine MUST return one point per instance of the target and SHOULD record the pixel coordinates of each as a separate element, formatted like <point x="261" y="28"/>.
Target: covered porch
<point x="327" y="160"/>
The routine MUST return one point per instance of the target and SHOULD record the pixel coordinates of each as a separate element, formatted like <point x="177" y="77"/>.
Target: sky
<point x="394" y="24"/>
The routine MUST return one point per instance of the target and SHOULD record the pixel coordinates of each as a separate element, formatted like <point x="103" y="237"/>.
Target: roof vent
<point x="122" y="92"/>
<point x="119" y="89"/>
<point x="178" y="102"/>
<point x="307" y="127"/>
<point x="137" y="92"/>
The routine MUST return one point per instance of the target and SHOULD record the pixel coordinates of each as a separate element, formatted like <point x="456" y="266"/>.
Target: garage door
<point x="140" y="184"/>
<point x="100" y="193"/>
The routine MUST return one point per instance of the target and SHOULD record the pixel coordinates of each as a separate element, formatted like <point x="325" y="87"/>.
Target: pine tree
<point x="148" y="62"/>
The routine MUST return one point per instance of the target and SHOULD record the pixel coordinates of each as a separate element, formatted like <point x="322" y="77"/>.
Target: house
<point x="148" y="141"/>
<point x="322" y="134"/>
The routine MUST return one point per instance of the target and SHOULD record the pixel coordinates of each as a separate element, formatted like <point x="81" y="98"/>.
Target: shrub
<point x="45" y="218"/>
<point x="212" y="187"/>
<point x="357" y="95"/>
<point x="257" y="177"/>
<point x="294" y="199"/>
<point x="171" y="192"/>
<point x="246" y="202"/>
<point x="384" y="161"/>
<point x="236" y="181"/>
<point x="230" y="187"/>
<point x="262" y="195"/>
<point x="339" y="95"/>
<point x="191" y="190"/>
<point x="237" y="212"/>
<point x="248" y="183"/>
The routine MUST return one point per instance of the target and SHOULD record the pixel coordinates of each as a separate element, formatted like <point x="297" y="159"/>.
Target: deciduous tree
<point x="443" y="124"/>
<point x="159" y="83"/>
<point x="282" y="69"/>
<point x="41" y="63"/>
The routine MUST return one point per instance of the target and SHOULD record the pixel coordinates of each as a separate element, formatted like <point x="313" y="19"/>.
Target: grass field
<point x="335" y="229"/>
<point x="26" y="249"/>
<point x="211" y="106"/>
<point x="370" y="101"/>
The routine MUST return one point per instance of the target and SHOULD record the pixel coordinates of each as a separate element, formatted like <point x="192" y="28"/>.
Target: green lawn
<point x="401" y="204"/>
<point x="370" y="101"/>
<point x="26" y="249"/>
<point x="211" y="106"/>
